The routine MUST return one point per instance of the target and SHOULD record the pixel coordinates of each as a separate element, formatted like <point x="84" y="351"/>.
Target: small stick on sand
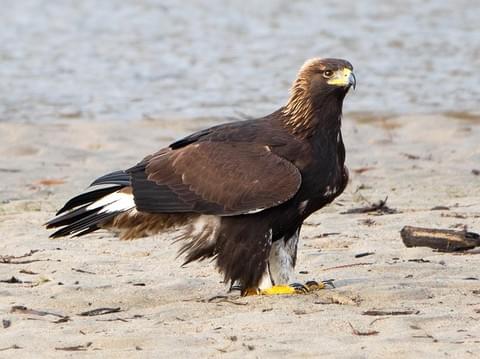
<point x="21" y="309"/>
<point x="390" y="312"/>
<point x="349" y="265"/>
<point x="379" y="208"/>
<point x="444" y="240"/>
<point x="99" y="311"/>
<point x="357" y="332"/>
<point x="75" y="348"/>
<point x="13" y="259"/>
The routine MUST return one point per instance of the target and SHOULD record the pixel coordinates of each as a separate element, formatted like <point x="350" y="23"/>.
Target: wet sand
<point x="418" y="162"/>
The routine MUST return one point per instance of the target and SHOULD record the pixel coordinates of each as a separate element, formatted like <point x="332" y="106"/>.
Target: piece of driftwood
<point x="444" y="240"/>
<point x="379" y="208"/>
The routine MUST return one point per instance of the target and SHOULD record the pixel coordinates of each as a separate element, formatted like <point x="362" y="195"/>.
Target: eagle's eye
<point x="327" y="74"/>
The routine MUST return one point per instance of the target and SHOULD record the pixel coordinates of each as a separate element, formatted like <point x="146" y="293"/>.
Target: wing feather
<point x="219" y="178"/>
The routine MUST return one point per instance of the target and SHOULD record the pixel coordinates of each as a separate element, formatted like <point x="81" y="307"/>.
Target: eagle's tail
<point x="88" y="211"/>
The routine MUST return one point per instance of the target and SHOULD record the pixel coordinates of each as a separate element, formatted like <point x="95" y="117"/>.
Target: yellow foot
<point x="279" y="289"/>
<point x="294" y="288"/>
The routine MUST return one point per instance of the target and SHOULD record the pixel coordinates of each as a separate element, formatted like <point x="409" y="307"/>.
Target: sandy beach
<point x="93" y="86"/>
<point x="165" y="309"/>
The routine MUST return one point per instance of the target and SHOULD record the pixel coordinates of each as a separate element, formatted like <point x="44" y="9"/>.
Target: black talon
<point x="299" y="288"/>
<point x="329" y="282"/>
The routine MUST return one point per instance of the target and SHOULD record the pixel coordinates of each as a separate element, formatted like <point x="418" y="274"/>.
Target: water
<point x="128" y="60"/>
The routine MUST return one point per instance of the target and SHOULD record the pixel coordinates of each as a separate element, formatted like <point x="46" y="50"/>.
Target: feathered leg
<point x="282" y="259"/>
<point x="280" y="275"/>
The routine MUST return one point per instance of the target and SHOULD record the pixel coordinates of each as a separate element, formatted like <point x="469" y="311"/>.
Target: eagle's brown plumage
<point x="238" y="192"/>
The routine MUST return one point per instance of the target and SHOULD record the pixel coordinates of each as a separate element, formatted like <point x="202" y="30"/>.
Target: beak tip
<point x="353" y="80"/>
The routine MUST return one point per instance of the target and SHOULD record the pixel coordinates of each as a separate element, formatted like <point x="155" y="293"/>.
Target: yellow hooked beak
<point x="343" y="77"/>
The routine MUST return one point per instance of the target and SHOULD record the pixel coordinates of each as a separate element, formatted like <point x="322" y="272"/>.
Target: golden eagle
<point x="238" y="192"/>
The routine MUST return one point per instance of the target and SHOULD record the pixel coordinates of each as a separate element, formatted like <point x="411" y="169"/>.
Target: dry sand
<point x="418" y="162"/>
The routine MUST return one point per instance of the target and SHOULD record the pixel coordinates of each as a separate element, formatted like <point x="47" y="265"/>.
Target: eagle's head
<point x="321" y="84"/>
<point x="326" y="75"/>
